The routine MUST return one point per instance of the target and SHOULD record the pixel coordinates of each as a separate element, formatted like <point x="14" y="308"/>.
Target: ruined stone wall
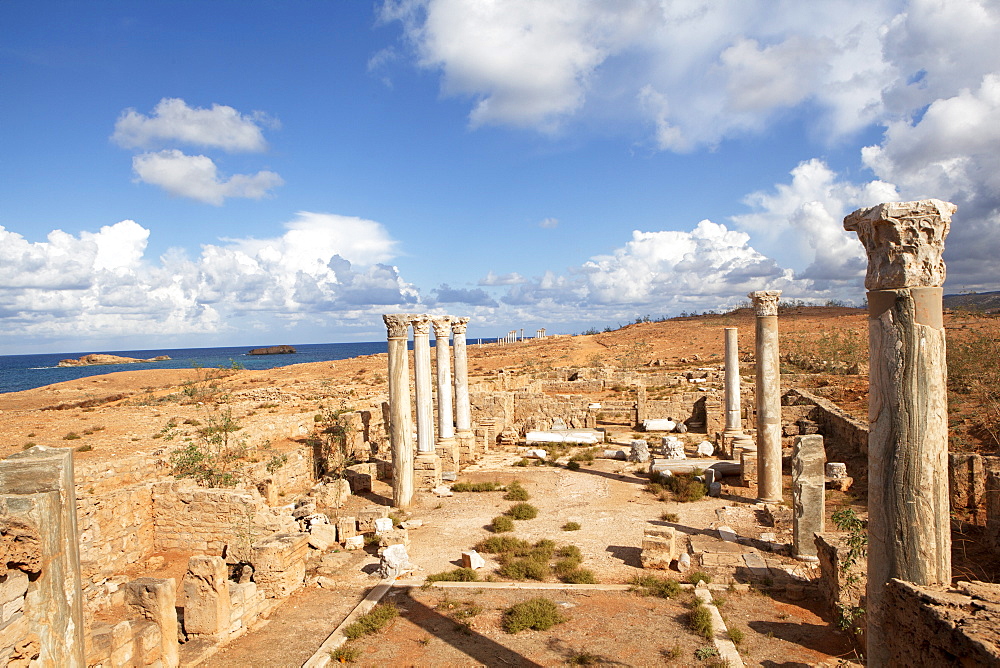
<point x="498" y="405"/>
<point x="846" y="436"/>
<point x="212" y="521"/>
<point x="941" y="626"/>
<point x="536" y="411"/>
<point x="571" y="386"/>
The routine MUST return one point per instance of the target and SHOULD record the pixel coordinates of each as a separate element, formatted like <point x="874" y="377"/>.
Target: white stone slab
<point x="658" y="425"/>
<point x="581" y="436"/>
<point x="756" y="564"/>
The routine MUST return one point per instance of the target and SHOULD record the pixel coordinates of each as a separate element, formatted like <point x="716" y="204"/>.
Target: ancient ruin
<point x="768" y="394"/>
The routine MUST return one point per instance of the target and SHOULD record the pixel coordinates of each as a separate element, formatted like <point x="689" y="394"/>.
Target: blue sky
<point x="242" y="173"/>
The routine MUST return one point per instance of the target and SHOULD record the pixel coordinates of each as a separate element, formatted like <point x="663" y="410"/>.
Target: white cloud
<point x="549" y="223"/>
<point x="173" y="120"/>
<point x="512" y="278"/>
<point x="323" y="268"/>
<point x="197" y="177"/>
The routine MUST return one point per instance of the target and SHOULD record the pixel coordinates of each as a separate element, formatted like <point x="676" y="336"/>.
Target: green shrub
<point x="525" y="568"/>
<point x="85" y="448"/>
<point x="697" y="576"/>
<point x="573" y="466"/>
<point x="345" y="654"/>
<point x="578" y="576"/>
<point x="539" y="613"/>
<point x="584" y="659"/>
<point x="703" y="653"/>
<point x="372" y="622"/>
<point x="670" y="517"/>
<point x="700" y="621"/>
<point x="501" y="524"/>
<point x="570" y="552"/>
<point x="522" y="511"/>
<point x="501" y="545"/>
<point x="571" y="526"/>
<point x="736" y="636"/>
<point x="522" y="462"/>
<point x="71" y="436"/>
<point x="650" y="585"/>
<point x="515" y="492"/>
<point x="684" y="487"/>
<point x="489" y="486"/>
<point x="457" y="575"/>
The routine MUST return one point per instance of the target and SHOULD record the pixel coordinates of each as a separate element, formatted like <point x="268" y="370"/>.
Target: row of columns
<point x="909" y="529"/>
<point x="454" y="411"/>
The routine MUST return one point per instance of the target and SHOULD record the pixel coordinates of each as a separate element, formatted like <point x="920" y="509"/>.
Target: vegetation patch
<point x="540" y="614"/>
<point x="489" y="486"/>
<point x="345" y="654"/>
<point x="372" y="622"/>
<point x="516" y="492"/>
<point x="683" y="487"/>
<point x="522" y="511"/>
<point x="700" y="621"/>
<point x="698" y="576"/>
<point x="651" y="585"/>
<point x="571" y="526"/>
<point x="457" y="575"/>
<point x="501" y="524"/>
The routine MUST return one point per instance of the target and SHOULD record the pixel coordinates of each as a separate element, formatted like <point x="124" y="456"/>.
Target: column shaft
<point x="734" y="423"/>
<point x="400" y="424"/>
<point x="422" y="377"/>
<point x="768" y="396"/>
<point x="463" y="411"/>
<point x="442" y="353"/>
<point x="909" y="529"/>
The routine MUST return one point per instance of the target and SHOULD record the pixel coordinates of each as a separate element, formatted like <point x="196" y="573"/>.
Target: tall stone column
<point x="447" y="445"/>
<point x="463" y="409"/>
<point x="768" y="395"/>
<point x="735" y="442"/>
<point x="400" y="419"/>
<point x="426" y="465"/>
<point x="909" y="532"/>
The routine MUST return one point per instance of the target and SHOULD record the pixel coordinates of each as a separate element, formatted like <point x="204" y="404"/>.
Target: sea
<point x="24" y="372"/>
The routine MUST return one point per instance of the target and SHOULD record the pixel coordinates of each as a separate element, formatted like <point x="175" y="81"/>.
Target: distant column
<point x="768" y="394"/>
<point x="427" y="464"/>
<point x="734" y="422"/>
<point x="463" y="411"/>
<point x="442" y="354"/>
<point x="909" y="529"/>
<point x="400" y="421"/>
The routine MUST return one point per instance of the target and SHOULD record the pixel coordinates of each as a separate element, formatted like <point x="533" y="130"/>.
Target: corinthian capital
<point x="442" y="327"/>
<point x="904" y="242"/>
<point x="459" y="325"/>
<point x="765" y="302"/>
<point x="397" y="325"/>
<point x="421" y="325"/>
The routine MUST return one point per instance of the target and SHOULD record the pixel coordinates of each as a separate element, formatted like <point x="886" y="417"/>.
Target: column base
<point x="426" y="470"/>
<point x="466" y="446"/>
<point x="447" y="450"/>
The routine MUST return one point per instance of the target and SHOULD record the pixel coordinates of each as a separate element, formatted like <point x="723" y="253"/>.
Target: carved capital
<point x="397" y="325"/>
<point x="765" y="302"/>
<point x="459" y="325"/>
<point x="421" y="325"/>
<point x="904" y="242"/>
<point x="442" y="327"/>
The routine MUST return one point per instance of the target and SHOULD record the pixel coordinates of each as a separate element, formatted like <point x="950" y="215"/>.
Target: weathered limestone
<point x="673" y="447"/>
<point x="908" y="518"/>
<point x="400" y="428"/>
<point x="447" y="444"/>
<point x="279" y="563"/>
<point x="426" y="464"/>
<point x="639" y="452"/>
<point x="394" y="561"/>
<point x="734" y="422"/>
<point x="206" y="597"/>
<point x="659" y="548"/>
<point x="155" y="599"/>
<point x="38" y="495"/>
<point x="808" y="495"/>
<point x="768" y="395"/>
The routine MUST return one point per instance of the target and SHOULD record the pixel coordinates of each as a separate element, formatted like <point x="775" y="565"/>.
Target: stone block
<point x="206" y="596"/>
<point x="394" y="562"/>
<point x="367" y="517"/>
<point x="354" y="543"/>
<point x="472" y="559"/>
<point x="748" y="467"/>
<point x="835" y="470"/>
<point x="660" y="550"/>
<point x="322" y="536"/>
<point x="279" y="563"/>
<point x="383" y="524"/>
<point x="808" y="495"/>
<point x="360" y="481"/>
<point x="122" y="644"/>
<point x="13" y="585"/>
<point x="331" y="495"/>
<point x="155" y="599"/>
<point x="347" y="527"/>
<point x="394" y="537"/>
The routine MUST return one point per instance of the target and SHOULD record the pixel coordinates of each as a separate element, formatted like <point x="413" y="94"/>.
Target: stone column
<point x="768" y="394"/>
<point x="733" y="438"/>
<point x="400" y="420"/>
<point x="155" y="599"/>
<point x="463" y="409"/>
<point x="808" y="495"/>
<point x="426" y="465"/>
<point x="909" y="531"/>
<point x="207" y="605"/>
<point x="447" y="445"/>
<point x="38" y="500"/>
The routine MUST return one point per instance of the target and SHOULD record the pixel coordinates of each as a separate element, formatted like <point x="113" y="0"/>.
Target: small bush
<point x="539" y="614"/>
<point x="71" y="436"/>
<point x="736" y="636"/>
<point x="670" y="517"/>
<point x="501" y="545"/>
<point x="372" y="622"/>
<point x="515" y="492"/>
<point x="457" y="575"/>
<point x="522" y="462"/>
<point x="501" y="524"/>
<point x="700" y="621"/>
<point x="345" y="654"/>
<point x="522" y="511"/>
<point x="578" y="576"/>
<point x="684" y="488"/>
<point x="570" y="552"/>
<point x="650" y="585"/>
<point x="573" y="466"/>
<point x="703" y="653"/>
<point x="525" y="569"/>
<point x="571" y="526"/>
<point x="85" y="448"/>
<point x="654" y="488"/>
<point x="477" y="487"/>
<point x="584" y="659"/>
<point x="697" y="576"/>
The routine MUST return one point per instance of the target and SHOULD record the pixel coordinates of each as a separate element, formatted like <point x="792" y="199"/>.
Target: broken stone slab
<point x="394" y="537"/>
<point x="354" y="543"/>
<point x="443" y="491"/>
<point x="394" y="562"/>
<point x="756" y="564"/>
<point x="558" y="424"/>
<point x="412" y="524"/>
<point x="727" y="534"/>
<point x="615" y="454"/>
<point x="473" y="560"/>
<point x="673" y="447"/>
<point x="367" y="517"/>
<point x="155" y="599"/>
<point x="840" y="484"/>
<point x="333" y="494"/>
<point x="578" y="436"/>
<point x="658" y="551"/>
<point x="808" y="495"/>
<point x="658" y="425"/>
<point x="322" y="536"/>
<point x="346" y="528"/>
<point x="383" y="524"/>
<point x="705" y="449"/>
<point x="206" y="596"/>
<point x="537" y="454"/>
<point x="449" y="476"/>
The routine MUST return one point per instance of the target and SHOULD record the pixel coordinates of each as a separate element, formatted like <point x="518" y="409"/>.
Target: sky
<point x="187" y="174"/>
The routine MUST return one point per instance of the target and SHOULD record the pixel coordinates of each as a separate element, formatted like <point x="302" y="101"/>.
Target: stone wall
<point x="940" y="626"/>
<point x="846" y="436"/>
